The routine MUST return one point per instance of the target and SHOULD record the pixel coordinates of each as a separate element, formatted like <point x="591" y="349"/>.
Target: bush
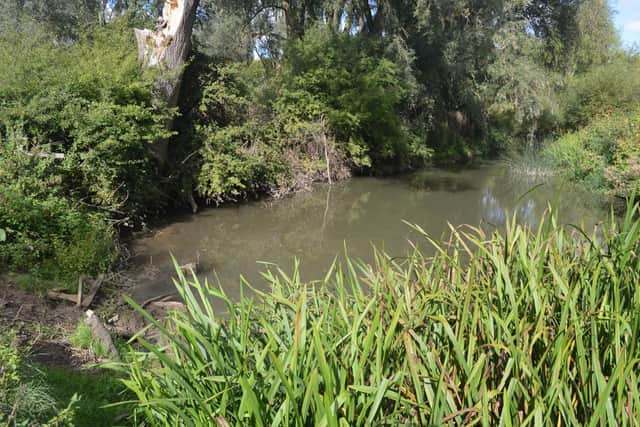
<point x="603" y="156"/>
<point x="538" y="326"/>
<point x="607" y="90"/>
<point x="52" y="238"/>
<point x="353" y="82"/>
<point x="88" y="102"/>
<point x="335" y="96"/>
<point x="45" y="232"/>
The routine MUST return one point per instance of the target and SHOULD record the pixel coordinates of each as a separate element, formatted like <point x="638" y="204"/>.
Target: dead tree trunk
<point x="167" y="47"/>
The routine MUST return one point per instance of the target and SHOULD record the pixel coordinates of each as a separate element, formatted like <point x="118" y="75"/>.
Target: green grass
<point x="83" y="338"/>
<point x="535" y="327"/>
<point x="39" y="395"/>
<point x="96" y="390"/>
<point x="37" y="285"/>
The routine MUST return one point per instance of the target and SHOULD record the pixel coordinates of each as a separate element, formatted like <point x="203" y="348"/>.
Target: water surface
<point x="316" y="226"/>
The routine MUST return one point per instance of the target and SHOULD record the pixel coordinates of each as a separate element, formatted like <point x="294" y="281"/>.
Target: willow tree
<point x="167" y="47"/>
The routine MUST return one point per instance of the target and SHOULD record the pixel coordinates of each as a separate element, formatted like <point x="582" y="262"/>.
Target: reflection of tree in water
<point x="505" y="195"/>
<point x="312" y="226"/>
<point x="496" y="213"/>
<point x="279" y="230"/>
<point x="441" y="181"/>
<point x="492" y="209"/>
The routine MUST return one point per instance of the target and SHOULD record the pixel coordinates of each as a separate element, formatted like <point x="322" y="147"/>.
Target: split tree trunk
<point x="102" y="335"/>
<point x="167" y="47"/>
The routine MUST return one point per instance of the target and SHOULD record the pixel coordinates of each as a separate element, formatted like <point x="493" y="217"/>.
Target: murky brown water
<point x="316" y="226"/>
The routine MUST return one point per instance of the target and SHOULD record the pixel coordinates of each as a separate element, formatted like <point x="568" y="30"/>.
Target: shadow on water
<point x="431" y="182"/>
<point x="315" y="226"/>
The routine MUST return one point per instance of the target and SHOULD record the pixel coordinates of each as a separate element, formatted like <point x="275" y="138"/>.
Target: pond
<point x="357" y="214"/>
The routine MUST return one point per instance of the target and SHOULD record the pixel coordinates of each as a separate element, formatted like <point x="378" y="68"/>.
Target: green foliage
<point x="604" y="156"/>
<point x="25" y="399"/>
<point x="89" y="102"/>
<point x="83" y="338"/>
<point x="600" y="108"/>
<point x="50" y="237"/>
<point x="46" y="233"/>
<point x="349" y="80"/>
<point x="236" y="157"/>
<point x="97" y="390"/>
<point x="549" y="312"/>
<point x="263" y="129"/>
<point x="520" y="93"/>
<point x="576" y="34"/>
<point x="76" y="123"/>
<point x="597" y="38"/>
<point x="603" y="90"/>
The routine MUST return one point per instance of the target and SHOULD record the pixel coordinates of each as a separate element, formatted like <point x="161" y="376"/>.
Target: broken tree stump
<point x="102" y="335"/>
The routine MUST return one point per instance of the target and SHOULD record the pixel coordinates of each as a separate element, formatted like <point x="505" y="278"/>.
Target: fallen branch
<point x="77" y="298"/>
<point x="157" y="298"/>
<point x="86" y="302"/>
<point x="53" y="294"/>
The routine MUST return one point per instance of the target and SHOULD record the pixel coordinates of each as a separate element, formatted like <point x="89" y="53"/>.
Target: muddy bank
<point x="43" y="326"/>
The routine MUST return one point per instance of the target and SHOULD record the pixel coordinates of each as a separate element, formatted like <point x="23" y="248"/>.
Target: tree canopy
<point x="278" y="94"/>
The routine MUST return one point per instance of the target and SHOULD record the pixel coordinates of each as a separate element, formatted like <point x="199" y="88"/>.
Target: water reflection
<point x="315" y="226"/>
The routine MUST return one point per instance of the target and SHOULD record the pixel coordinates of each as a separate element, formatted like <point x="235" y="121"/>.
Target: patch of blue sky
<point x="627" y="19"/>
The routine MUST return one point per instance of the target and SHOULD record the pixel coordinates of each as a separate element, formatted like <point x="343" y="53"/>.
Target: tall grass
<point x="534" y="327"/>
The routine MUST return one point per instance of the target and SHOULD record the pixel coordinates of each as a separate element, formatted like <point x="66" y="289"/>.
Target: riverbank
<point x="51" y="363"/>
<point x="47" y="326"/>
<point x="42" y="372"/>
<point x="225" y="243"/>
<point x="314" y="226"/>
<point x="557" y="263"/>
<point x="549" y="311"/>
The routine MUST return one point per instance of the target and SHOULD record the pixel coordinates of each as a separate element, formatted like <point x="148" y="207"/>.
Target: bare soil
<point x="44" y="325"/>
<point x="32" y="316"/>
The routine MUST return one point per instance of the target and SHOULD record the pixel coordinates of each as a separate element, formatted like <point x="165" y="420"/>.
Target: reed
<point x="527" y="330"/>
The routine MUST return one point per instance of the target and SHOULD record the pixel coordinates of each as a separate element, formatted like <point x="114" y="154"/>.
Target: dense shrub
<point x="89" y="103"/>
<point x="52" y="238"/>
<point x="359" y="89"/>
<point x="536" y="327"/>
<point x="604" y="155"/>
<point x="606" y="89"/>
<point x="600" y="112"/>
<point x="45" y="231"/>
<point x="267" y="129"/>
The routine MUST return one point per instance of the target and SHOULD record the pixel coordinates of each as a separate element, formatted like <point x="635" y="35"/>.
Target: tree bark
<point x="102" y="335"/>
<point x="295" y="12"/>
<point x="167" y="47"/>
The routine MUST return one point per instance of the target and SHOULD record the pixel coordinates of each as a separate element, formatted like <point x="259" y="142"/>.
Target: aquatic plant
<point x="526" y="327"/>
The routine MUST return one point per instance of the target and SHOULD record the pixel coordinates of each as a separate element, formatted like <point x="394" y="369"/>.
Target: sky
<point x="627" y="18"/>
